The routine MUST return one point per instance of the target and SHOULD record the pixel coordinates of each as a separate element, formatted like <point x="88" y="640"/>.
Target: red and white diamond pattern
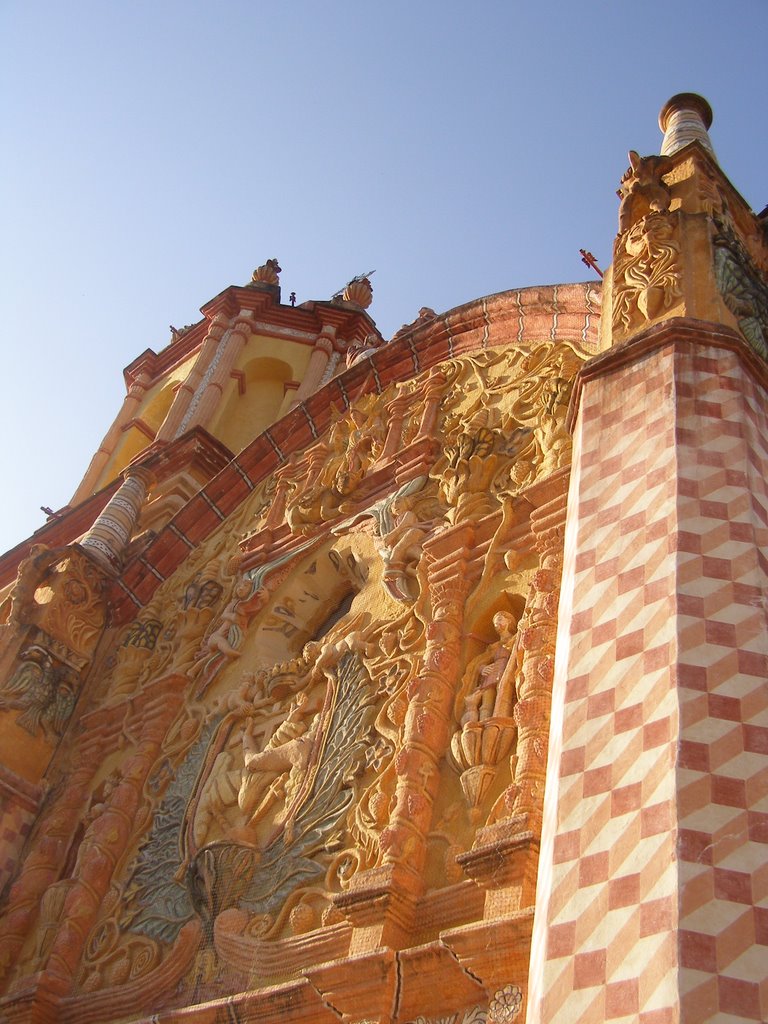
<point x="652" y="880"/>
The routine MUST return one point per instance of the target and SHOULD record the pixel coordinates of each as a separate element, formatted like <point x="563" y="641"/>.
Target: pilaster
<point x="136" y="391"/>
<point x="171" y="426"/>
<point x="651" y="869"/>
<point x="318" y="361"/>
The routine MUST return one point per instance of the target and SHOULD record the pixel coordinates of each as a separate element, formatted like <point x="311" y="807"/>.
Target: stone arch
<point x="141" y="431"/>
<point x="254" y="401"/>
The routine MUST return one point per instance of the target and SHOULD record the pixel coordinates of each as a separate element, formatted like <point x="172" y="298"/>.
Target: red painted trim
<point x="239" y="376"/>
<point x="459" y="331"/>
<point x="140" y="425"/>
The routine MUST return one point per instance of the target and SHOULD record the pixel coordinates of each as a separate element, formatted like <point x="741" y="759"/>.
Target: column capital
<point x="141" y="473"/>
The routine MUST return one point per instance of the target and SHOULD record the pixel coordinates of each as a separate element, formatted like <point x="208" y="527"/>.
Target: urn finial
<point x="267" y="273"/>
<point x="359" y="291"/>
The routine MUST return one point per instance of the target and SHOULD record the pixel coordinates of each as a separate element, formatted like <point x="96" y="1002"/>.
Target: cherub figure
<point x="401" y="547"/>
<point x="228" y="635"/>
<point x="266" y="769"/>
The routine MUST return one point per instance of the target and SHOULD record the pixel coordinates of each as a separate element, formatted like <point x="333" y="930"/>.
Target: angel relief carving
<point x="504" y="425"/>
<point x="277" y="795"/>
<point x="264" y="803"/>
<point x="318" y="486"/>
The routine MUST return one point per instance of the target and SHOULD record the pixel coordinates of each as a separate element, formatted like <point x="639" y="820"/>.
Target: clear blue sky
<point x="156" y="152"/>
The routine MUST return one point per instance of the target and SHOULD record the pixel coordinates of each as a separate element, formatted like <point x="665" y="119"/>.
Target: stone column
<point x="111" y="533"/>
<point x="171" y="425"/>
<point x="44" y="859"/>
<point x="131" y="403"/>
<point x="432" y="395"/>
<point x="106" y="838"/>
<point x="380" y="902"/>
<point x="318" y="361"/>
<point x="683" y="119"/>
<point x="534" y="686"/>
<point x="207" y="397"/>
<point x="396" y="410"/>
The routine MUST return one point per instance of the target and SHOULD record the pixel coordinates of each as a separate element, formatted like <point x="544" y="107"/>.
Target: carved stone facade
<point x="278" y="714"/>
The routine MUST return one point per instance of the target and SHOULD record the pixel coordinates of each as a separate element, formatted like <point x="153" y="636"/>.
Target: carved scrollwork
<point x="646" y="281"/>
<point x="324" y="673"/>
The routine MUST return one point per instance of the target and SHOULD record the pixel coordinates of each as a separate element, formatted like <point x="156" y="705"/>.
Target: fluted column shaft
<point x="318" y="362"/>
<point x="128" y="411"/>
<point x="171" y="425"/>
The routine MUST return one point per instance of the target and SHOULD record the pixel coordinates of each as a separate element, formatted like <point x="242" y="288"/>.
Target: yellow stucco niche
<point x="255" y="395"/>
<point x="153" y="409"/>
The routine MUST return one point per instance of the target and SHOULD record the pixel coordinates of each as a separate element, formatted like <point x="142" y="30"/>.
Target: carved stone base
<point x="503" y="862"/>
<point x="380" y="904"/>
<point x="363" y="990"/>
<point x="433" y="983"/>
<point x="495" y="952"/>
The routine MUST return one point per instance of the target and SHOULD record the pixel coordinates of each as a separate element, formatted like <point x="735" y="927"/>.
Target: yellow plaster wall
<point x="243" y="416"/>
<point x="152" y="411"/>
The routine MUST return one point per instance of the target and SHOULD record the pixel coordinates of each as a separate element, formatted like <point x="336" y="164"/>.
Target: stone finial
<point x="359" y="291"/>
<point x="683" y="119"/>
<point x="267" y="273"/>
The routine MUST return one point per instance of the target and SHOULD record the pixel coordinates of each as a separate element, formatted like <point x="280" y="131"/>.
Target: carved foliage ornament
<point x="646" y="281"/>
<point x="499" y="417"/>
<point x="504" y="1007"/>
<point x="740" y="283"/>
<point x="253" y="809"/>
<point x="262" y="811"/>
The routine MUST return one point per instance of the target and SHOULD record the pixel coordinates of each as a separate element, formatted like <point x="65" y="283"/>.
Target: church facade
<point x="413" y="680"/>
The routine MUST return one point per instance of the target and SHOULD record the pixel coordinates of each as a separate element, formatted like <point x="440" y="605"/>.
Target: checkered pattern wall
<point x="18" y="806"/>
<point x="652" y="902"/>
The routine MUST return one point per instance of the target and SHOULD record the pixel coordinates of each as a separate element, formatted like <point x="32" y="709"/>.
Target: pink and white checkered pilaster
<point x="652" y="904"/>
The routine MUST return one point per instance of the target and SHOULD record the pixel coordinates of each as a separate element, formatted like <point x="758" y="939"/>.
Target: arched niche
<point x="140" y="432"/>
<point x="253" y="401"/>
<point x="332" y="583"/>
